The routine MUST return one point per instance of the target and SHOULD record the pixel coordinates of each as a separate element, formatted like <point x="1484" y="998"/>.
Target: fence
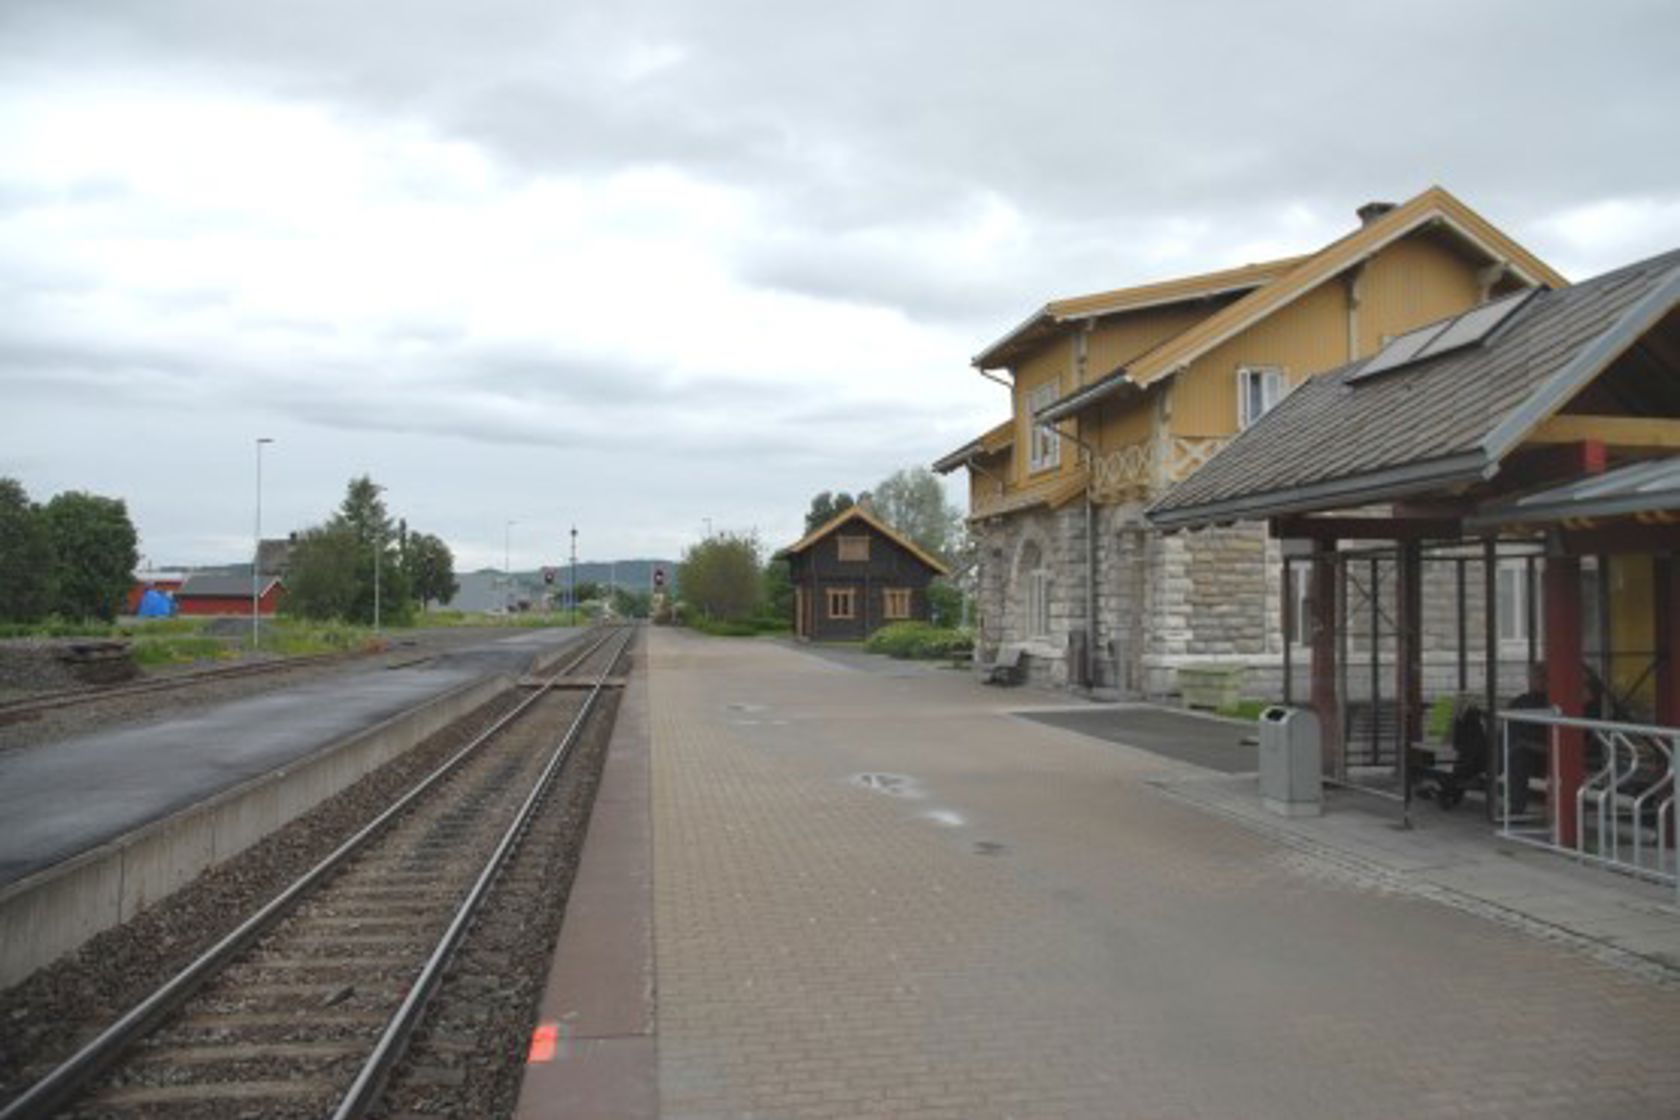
<point x="1626" y="809"/>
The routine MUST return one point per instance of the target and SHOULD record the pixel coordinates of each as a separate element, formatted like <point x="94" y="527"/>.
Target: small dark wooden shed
<point x="854" y="575"/>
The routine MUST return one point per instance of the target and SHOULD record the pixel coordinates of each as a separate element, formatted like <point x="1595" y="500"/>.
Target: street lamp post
<point x="256" y="551"/>
<point x="507" y="566"/>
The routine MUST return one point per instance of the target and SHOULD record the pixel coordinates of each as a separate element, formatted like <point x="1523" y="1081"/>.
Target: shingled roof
<point x="1340" y="440"/>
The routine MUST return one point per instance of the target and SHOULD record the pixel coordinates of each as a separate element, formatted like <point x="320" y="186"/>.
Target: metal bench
<point x="1004" y="669"/>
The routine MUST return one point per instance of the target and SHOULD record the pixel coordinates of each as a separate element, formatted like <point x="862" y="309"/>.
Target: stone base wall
<point x="1209" y="596"/>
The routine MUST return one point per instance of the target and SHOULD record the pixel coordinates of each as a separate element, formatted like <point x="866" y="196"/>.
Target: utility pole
<point x="507" y="566"/>
<point x="256" y="552"/>
<point x="574" y="575"/>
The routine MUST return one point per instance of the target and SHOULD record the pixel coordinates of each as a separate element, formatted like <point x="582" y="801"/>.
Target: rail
<point x="1626" y="808"/>
<point x="71" y="1077"/>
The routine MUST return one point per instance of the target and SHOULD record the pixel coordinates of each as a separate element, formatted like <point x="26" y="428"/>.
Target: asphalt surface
<point x="1205" y="741"/>
<point x="62" y="798"/>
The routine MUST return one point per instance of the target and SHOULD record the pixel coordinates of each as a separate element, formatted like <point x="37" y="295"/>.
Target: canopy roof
<point x="1340" y="440"/>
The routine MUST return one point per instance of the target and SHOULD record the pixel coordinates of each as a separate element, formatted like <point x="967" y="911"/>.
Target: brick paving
<point x="1026" y="927"/>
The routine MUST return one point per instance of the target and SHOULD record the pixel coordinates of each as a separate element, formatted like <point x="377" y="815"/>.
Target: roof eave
<point x="1081" y="399"/>
<point x="1336" y="493"/>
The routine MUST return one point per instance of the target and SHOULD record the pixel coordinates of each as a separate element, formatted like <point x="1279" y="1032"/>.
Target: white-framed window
<point x="842" y="602"/>
<point x="1038" y="603"/>
<point x="1045" y="445"/>
<point x="1515" y="589"/>
<point x="1259" y="389"/>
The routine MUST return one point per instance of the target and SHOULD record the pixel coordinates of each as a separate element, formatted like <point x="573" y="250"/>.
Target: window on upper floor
<point x="854" y="548"/>
<point x="1259" y="389"/>
<point x="1046" y="445"/>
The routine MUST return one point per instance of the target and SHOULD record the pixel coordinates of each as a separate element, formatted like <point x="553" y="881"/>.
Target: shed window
<point x="1259" y="388"/>
<point x="896" y="602"/>
<point x="854" y="548"/>
<point x="842" y="602"/>
<point x="1046" y="445"/>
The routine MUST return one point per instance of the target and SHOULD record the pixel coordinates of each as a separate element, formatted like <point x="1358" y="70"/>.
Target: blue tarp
<point x="156" y="604"/>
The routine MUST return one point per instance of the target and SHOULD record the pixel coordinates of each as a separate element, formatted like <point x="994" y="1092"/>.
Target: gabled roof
<point x="987" y="443"/>
<point x="859" y="513"/>
<point x="1434" y="206"/>
<point x="1161" y="294"/>
<point x="220" y="586"/>
<point x="1339" y="440"/>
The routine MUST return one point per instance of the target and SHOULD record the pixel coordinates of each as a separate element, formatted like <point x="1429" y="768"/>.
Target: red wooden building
<point x="227" y="595"/>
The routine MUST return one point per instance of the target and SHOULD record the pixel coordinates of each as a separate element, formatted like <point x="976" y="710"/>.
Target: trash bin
<point x="1291" y="757"/>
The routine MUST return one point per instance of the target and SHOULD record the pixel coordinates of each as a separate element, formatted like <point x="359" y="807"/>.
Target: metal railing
<point x="1627" y="815"/>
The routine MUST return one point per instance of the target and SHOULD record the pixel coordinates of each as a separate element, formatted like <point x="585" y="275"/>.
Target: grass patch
<point x="178" y="650"/>
<point x="1247" y="708"/>
<point x="920" y="641"/>
<point x="738" y="628"/>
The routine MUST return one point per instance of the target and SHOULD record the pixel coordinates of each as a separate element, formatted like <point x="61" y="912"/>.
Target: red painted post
<point x="1322" y="608"/>
<point x="1564" y="680"/>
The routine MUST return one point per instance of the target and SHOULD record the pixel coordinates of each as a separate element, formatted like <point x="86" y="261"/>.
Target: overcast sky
<point x="634" y="266"/>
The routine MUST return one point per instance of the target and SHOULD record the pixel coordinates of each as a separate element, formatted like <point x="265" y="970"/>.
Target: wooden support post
<point x="1563" y="688"/>
<point x="1666" y="602"/>
<point x="1408" y="660"/>
<point x="1490" y="680"/>
<point x="1324" y="700"/>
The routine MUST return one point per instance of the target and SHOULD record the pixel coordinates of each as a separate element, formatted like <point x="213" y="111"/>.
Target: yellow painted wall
<point x="1306" y="337"/>
<point x="1052" y="363"/>
<point x="1117" y="340"/>
<point x="1414" y="281"/>
<point x="1633" y="632"/>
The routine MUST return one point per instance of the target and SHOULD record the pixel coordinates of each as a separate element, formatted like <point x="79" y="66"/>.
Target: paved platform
<point x="885" y="894"/>
<point x="65" y="797"/>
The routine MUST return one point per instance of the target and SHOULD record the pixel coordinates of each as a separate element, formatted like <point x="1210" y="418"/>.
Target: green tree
<point x="778" y="589"/>
<point x="429" y="566"/>
<point x="26" y="556"/>
<point x="631" y="604"/>
<point x="322" y="573"/>
<point x="332" y="567"/>
<point x="94" y="549"/>
<point x="913" y="502"/>
<point x="825" y="507"/>
<point x="720" y="577"/>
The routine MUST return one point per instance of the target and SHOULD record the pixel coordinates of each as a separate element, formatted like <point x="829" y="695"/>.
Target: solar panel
<point x="1440" y="338"/>
<point x="1401" y="350"/>
<point x="1474" y="325"/>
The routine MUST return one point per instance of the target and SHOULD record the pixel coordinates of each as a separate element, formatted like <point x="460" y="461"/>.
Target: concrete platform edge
<point x="599" y="1000"/>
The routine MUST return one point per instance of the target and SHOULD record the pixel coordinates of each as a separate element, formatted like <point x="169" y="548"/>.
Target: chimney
<point x="1371" y="211"/>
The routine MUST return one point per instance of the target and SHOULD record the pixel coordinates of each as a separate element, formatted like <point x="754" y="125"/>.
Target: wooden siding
<point x="819" y="568"/>
<point x="1115" y="341"/>
<point x="1307" y="337"/>
<point x="1414" y="281"/>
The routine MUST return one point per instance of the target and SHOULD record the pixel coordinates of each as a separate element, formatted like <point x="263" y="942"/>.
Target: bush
<point x="920" y="641"/>
<point x="740" y="628"/>
<point x="177" y="650"/>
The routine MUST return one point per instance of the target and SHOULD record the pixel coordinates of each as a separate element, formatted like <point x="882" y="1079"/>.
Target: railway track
<point x="307" y="1007"/>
